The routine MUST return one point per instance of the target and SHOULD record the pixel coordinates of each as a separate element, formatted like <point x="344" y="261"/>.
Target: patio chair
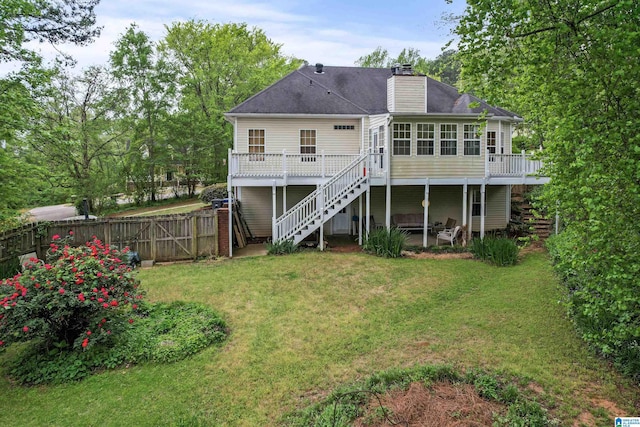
<point x="448" y="226"/>
<point x="448" y="235"/>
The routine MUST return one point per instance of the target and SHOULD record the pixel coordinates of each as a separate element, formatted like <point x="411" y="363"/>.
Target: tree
<point x="571" y="69"/>
<point x="150" y="82"/>
<point x="220" y="66"/>
<point x="23" y="21"/>
<point x="50" y="21"/>
<point x="78" y="133"/>
<point x="446" y="67"/>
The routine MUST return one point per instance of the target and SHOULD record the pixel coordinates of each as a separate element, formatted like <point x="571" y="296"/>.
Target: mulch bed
<point x="442" y="404"/>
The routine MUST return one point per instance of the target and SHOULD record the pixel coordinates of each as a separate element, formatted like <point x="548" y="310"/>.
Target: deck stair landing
<point x="321" y="205"/>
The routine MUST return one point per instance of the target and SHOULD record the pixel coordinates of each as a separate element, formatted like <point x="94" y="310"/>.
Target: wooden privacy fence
<point x="157" y="238"/>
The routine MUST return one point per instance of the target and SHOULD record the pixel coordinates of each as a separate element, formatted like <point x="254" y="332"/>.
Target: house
<point x="325" y="146"/>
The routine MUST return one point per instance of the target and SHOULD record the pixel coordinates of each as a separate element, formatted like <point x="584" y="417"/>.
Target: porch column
<point x="368" y="210"/>
<point x="360" y="220"/>
<point x="465" y="195"/>
<point x="229" y="205"/>
<point x="322" y="201"/>
<point x="483" y="189"/>
<point x="274" y="234"/>
<point x="284" y="199"/>
<point x="425" y="227"/>
<point x="387" y="154"/>
<point x="470" y="203"/>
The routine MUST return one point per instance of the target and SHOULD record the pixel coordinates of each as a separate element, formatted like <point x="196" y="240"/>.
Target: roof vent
<point x="319" y="69"/>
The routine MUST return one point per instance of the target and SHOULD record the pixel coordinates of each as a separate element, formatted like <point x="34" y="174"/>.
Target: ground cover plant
<point x="308" y="323"/>
<point x="82" y="311"/>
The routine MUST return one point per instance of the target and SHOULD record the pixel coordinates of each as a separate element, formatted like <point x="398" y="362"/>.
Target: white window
<point x="471" y="138"/>
<point x="308" y="145"/>
<point x="425" y="139"/>
<point x="491" y="142"/>
<point x="448" y="139"/>
<point x="402" y="139"/>
<point x="256" y="145"/>
<point x="476" y="207"/>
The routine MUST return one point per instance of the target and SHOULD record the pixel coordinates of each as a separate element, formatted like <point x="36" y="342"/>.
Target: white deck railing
<point x="311" y="208"/>
<point x="508" y="165"/>
<point x="283" y="164"/>
<point x="272" y="165"/>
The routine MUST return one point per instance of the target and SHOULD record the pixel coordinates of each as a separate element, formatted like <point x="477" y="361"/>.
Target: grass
<point x="163" y="207"/>
<point x="305" y="323"/>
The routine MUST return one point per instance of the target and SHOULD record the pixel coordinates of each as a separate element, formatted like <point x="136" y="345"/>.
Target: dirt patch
<point x="443" y="404"/>
<point x="345" y="248"/>
<point x="430" y="255"/>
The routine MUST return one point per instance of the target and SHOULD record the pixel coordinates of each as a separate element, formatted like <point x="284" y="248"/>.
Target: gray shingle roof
<point x="350" y="91"/>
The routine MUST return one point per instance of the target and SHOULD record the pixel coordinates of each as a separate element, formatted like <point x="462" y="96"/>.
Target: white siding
<point x="496" y="215"/>
<point x="257" y="207"/>
<point x="284" y="134"/>
<point x="407" y="95"/>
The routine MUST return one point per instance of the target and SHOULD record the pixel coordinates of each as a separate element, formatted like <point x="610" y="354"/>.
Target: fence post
<point x="194" y="236"/>
<point x="107" y="232"/>
<point x="152" y="237"/>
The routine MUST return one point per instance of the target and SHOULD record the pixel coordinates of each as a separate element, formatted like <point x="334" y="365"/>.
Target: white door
<point x="340" y="223"/>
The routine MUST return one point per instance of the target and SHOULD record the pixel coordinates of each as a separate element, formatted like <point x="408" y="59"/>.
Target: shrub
<point x="78" y="298"/>
<point x="281" y="247"/>
<point x="212" y="192"/>
<point x="498" y="251"/>
<point x="600" y="273"/>
<point x="386" y="242"/>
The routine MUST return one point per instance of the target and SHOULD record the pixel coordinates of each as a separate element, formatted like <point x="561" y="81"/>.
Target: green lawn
<point x="305" y="323"/>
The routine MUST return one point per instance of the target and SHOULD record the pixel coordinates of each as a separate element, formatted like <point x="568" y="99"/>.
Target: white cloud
<point x="304" y="30"/>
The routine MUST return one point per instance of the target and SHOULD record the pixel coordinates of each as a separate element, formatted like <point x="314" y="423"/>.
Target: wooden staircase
<point x="326" y="201"/>
<point x="522" y="213"/>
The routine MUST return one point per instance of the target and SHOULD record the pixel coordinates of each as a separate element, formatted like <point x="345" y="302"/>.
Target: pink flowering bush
<point x="78" y="298"/>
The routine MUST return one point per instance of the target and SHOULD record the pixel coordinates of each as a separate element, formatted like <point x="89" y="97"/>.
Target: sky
<point x="330" y="32"/>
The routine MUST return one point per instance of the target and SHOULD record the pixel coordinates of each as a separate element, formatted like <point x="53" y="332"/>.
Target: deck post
<point x="524" y="165"/>
<point x="284" y="163"/>
<point x="274" y="234"/>
<point x="323" y="165"/>
<point x="465" y="191"/>
<point x="229" y="206"/>
<point x="425" y="224"/>
<point x="360" y="220"/>
<point x="486" y="163"/>
<point x="284" y="199"/>
<point x="483" y="189"/>
<point x="322" y="206"/>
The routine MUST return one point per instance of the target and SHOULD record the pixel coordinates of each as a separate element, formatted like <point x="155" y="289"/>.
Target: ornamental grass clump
<point x="386" y="242"/>
<point x="497" y="251"/>
<point x="79" y="298"/>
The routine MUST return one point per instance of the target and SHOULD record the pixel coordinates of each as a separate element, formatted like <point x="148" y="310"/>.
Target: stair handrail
<point x="309" y="204"/>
